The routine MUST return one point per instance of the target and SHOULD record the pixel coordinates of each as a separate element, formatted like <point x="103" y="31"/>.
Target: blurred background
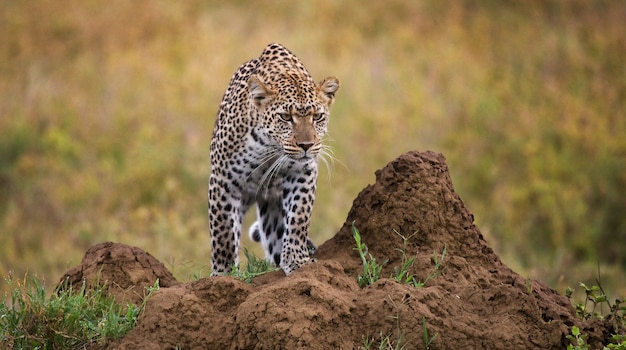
<point x="107" y="110"/>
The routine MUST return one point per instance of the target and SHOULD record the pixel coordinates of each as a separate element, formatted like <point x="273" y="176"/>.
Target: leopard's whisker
<point x="328" y="160"/>
<point x="266" y="177"/>
<point x="264" y="159"/>
<point x="272" y="170"/>
<point x="327" y="155"/>
<point x="267" y="172"/>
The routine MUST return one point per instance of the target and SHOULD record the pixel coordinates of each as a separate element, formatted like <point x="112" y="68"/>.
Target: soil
<point x="477" y="302"/>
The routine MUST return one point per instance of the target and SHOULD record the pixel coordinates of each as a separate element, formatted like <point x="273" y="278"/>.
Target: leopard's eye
<point x="285" y="117"/>
<point x="318" y="116"/>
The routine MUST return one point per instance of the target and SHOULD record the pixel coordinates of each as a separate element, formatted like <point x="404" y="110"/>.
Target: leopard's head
<point x="294" y="111"/>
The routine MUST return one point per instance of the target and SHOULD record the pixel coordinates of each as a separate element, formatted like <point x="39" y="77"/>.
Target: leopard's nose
<point x="305" y="145"/>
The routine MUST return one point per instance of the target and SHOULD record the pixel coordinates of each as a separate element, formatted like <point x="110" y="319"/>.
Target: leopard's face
<point x="295" y="115"/>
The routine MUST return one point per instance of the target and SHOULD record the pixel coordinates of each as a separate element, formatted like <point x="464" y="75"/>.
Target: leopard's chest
<point x="270" y="177"/>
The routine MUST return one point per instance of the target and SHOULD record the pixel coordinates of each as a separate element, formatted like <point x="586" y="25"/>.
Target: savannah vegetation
<point x="106" y="113"/>
<point x="71" y="318"/>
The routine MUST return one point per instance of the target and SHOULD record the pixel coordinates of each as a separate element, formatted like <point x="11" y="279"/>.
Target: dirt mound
<point x="125" y="271"/>
<point x="476" y="303"/>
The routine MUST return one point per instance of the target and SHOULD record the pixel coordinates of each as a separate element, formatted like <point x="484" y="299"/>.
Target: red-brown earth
<point x="476" y="303"/>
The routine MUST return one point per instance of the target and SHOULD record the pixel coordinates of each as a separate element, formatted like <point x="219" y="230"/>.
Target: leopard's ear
<point x="260" y="93"/>
<point x="328" y="87"/>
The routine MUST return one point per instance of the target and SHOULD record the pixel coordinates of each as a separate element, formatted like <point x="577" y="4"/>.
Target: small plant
<point x="577" y="339"/>
<point x="401" y="274"/>
<point x="426" y="338"/>
<point x="597" y="297"/>
<point x="67" y="319"/>
<point x="529" y="286"/>
<point x="384" y="342"/>
<point x="254" y="267"/>
<point x="438" y="261"/>
<point x="371" y="269"/>
<point x="618" y="342"/>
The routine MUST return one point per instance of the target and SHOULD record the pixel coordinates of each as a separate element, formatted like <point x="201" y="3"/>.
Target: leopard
<point x="265" y="151"/>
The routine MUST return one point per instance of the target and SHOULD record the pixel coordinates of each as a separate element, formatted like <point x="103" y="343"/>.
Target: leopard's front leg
<point x="225" y="217"/>
<point x="298" y="198"/>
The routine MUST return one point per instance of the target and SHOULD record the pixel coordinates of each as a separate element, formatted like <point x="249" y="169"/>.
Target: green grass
<point x="254" y="267"/>
<point x="399" y="340"/>
<point x="388" y="341"/>
<point x="401" y="274"/>
<point x="383" y="342"/>
<point x="68" y="319"/>
<point x="426" y="337"/>
<point x="371" y="268"/>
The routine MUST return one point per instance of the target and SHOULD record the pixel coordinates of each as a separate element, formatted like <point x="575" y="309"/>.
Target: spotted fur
<point x="265" y="148"/>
